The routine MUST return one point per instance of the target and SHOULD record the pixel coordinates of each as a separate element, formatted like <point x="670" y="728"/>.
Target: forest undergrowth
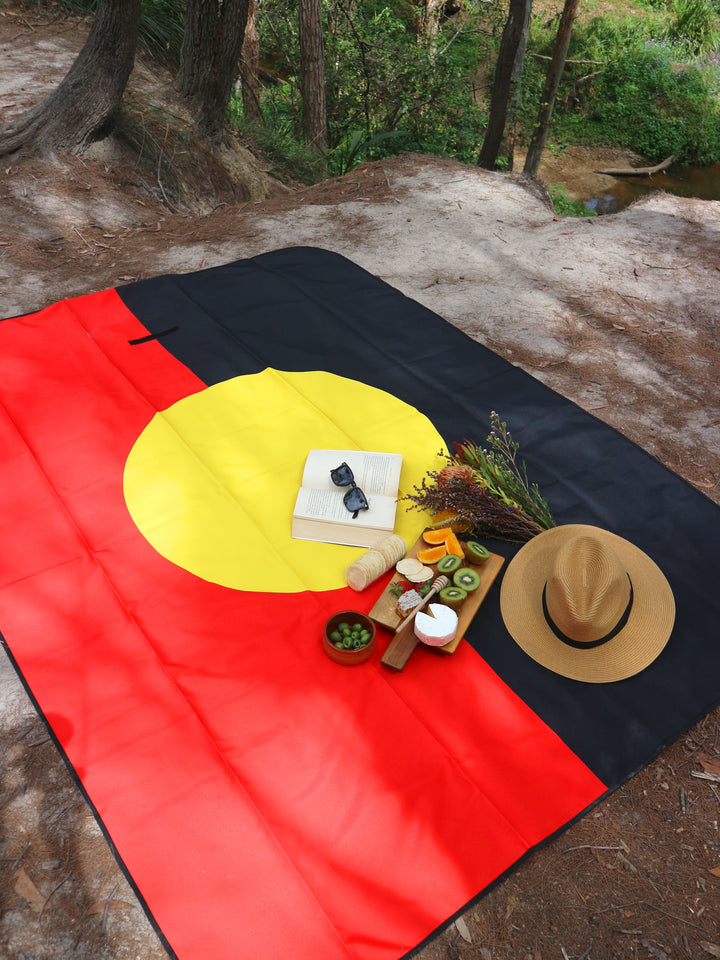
<point x="645" y="78"/>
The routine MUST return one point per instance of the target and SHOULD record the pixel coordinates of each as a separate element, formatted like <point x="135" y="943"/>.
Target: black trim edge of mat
<point x="98" y="819"/>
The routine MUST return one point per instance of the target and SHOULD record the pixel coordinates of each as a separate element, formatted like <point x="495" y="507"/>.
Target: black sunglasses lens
<point x="342" y="476"/>
<point x="355" y="499"/>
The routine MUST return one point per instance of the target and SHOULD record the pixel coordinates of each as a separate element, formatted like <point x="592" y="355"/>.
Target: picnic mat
<point x="262" y="798"/>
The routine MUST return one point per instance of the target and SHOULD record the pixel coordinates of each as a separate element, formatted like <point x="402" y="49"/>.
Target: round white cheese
<point x="437" y="627"/>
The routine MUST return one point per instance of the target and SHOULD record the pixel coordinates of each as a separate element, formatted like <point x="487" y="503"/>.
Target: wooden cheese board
<point x="385" y="613"/>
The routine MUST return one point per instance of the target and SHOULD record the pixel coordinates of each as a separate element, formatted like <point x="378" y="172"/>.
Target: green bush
<point x="646" y="93"/>
<point x="385" y="91"/>
<point x="695" y="25"/>
<point x="161" y="25"/>
<point x="649" y="89"/>
<point x="564" y="206"/>
<point x="649" y="102"/>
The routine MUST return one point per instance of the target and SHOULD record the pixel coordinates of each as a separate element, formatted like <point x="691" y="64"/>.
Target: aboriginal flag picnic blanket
<point x="262" y="797"/>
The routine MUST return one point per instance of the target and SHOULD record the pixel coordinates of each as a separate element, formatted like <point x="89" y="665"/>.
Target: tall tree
<point x="428" y="13"/>
<point x="250" y="67"/>
<point x="312" y="73"/>
<point x="84" y="107"/>
<point x="552" y="82"/>
<point x="508" y="73"/>
<point x="212" y="43"/>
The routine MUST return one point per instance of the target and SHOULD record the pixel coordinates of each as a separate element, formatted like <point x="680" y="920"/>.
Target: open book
<point x="320" y="513"/>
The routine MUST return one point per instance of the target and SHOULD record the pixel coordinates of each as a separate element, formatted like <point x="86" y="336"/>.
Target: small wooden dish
<point x="348" y="657"/>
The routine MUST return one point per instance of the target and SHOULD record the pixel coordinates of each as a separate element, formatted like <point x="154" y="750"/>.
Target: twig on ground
<point x="656" y="266"/>
<point x="107" y="907"/>
<point x="646" y="903"/>
<point x="17" y="860"/>
<point x="52" y="894"/>
<point x="590" y="846"/>
<point x="82" y="237"/>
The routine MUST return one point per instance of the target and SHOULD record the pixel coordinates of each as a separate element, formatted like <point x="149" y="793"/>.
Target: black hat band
<point x="579" y="645"/>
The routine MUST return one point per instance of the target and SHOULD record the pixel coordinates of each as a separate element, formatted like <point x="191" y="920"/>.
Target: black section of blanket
<point x="308" y="309"/>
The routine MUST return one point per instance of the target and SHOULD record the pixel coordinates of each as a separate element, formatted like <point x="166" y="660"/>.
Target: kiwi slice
<point x="476" y="552"/>
<point x="466" y="578"/>
<point x="448" y="563"/>
<point x="453" y="596"/>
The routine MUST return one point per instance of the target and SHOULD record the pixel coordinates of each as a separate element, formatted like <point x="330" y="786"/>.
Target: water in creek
<point x="683" y="181"/>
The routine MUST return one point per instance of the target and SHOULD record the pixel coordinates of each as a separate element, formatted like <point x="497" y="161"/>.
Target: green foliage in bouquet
<point x="485" y="492"/>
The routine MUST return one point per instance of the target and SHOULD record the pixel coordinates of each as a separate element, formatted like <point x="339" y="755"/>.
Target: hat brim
<point x="640" y="641"/>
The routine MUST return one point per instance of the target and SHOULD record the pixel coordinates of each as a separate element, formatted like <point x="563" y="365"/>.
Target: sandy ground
<point x="618" y="313"/>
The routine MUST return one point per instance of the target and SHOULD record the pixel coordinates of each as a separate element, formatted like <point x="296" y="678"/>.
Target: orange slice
<point x="432" y="554"/>
<point x="437" y="536"/>
<point x="453" y="545"/>
<point x="449" y="518"/>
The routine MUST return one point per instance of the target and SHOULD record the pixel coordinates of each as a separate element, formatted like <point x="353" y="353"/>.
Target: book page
<point x="328" y="506"/>
<point x="375" y="473"/>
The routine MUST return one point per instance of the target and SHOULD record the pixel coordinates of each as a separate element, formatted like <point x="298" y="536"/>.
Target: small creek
<point x="681" y="180"/>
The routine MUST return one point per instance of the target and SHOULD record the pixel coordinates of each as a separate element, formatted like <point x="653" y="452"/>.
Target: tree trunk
<point x="428" y="20"/>
<point x="552" y="82"/>
<point x="84" y="107"/>
<point x="212" y="42"/>
<point x="312" y="73"/>
<point x="249" y="68"/>
<point x="508" y="145"/>
<point x="508" y="72"/>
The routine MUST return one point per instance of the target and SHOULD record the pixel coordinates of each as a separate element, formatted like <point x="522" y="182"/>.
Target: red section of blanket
<point x="263" y="798"/>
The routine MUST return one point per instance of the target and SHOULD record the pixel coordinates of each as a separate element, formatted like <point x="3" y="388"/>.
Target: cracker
<point x="421" y="576"/>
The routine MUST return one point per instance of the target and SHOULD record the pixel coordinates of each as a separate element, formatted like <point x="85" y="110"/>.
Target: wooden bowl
<point x="348" y="657"/>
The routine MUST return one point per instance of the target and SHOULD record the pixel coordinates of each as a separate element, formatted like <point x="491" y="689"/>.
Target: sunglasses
<point x="354" y="500"/>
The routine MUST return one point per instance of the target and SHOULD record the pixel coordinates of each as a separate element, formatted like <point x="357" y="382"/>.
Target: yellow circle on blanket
<point x="212" y="481"/>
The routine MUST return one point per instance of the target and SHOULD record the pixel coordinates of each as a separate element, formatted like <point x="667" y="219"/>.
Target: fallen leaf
<point x="709" y="764"/>
<point x="715" y="871"/>
<point x="712" y="948"/>
<point x="102" y="905"/>
<point x="25" y="888"/>
<point x="462" y="929"/>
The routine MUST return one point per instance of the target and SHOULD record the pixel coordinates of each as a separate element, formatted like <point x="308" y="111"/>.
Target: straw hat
<point x="587" y="604"/>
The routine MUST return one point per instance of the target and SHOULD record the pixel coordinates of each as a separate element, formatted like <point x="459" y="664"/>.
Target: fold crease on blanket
<point x="261" y="797"/>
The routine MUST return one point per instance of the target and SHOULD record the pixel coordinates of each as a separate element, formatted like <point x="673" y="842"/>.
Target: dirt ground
<point x="618" y="313"/>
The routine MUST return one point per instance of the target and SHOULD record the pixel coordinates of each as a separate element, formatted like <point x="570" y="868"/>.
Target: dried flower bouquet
<point x="484" y="492"/>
